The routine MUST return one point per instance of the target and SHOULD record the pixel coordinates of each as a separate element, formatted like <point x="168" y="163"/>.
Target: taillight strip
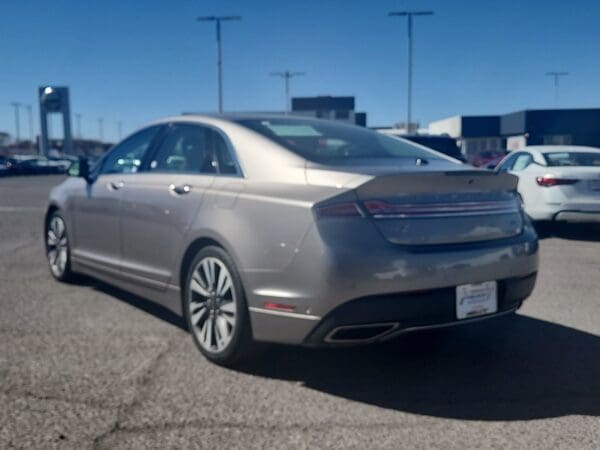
<point x="383" y="210"/>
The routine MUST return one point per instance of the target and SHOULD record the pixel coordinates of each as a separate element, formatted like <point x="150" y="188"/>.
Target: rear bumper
<point x="358" y="264"/>
<point x="381" y="317"/>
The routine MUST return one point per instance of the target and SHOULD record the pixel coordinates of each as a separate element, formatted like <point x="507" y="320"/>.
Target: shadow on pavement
<point x="511" y="368"/>
<point x="569" y="231"/>
<point x="138" y="302"/>
<point x="508" y="368"/>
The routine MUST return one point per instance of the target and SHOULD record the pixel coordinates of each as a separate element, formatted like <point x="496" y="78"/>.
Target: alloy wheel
<point x="57" y="246"/>
<point x="212" y="305"/>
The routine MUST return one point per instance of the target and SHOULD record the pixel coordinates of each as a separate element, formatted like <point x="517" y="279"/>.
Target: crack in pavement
<point x="139" y="396"/>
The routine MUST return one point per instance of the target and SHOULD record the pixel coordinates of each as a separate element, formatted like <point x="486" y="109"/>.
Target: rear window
<point x="332" y="143"/>
<point x="556" y="159"/>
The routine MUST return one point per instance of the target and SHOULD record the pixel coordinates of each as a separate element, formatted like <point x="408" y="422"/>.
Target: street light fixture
<point x="556" y="76"/>
<point x="409" y="15"/>
<point x="218" y="20"/>
<point x="287" y="75"/>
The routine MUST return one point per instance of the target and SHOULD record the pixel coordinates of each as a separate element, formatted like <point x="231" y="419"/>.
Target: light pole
<point x="101" y="128"/>
<point x="17" y="105"/>
<point x="556" y="76"/>
<point x="30" y="119"/>
<point x="78" y="118"/>
<point x="218" y="20"/>
<point x="287" y="75"/>
<point x="409" y="15"/>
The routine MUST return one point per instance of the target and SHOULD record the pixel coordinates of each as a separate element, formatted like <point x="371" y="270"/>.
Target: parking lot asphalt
<point x="89" y="366"/>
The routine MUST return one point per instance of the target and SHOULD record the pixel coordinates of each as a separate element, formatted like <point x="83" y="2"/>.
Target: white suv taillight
<point x="551" y="180"/>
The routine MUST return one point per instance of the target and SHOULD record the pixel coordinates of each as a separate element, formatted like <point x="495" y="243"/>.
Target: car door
<point x="96" y="210"/>
<point x="161" y="202"/>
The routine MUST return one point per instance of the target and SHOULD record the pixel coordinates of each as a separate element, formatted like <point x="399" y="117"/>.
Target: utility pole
<point x="17" y="105"/>
<point x="119" y="129"/>
<point x="78" y="118"/>
<point x="556" y="76"/>
<point x="218" y="20"/>
<point x="101" y="128"/>
<point x="287" y="75"/>
<point x="30" y="119"/>
<point x="409" y="15"/>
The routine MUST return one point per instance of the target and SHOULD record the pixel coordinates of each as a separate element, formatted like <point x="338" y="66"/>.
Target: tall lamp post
<point x="218" y="20"/>
<point x="556" y="76"/>
<point x="101" y="129"/>
<point x="287" y="75"/>
<point x="17" y="105"/>
<point x="409" y="15"/>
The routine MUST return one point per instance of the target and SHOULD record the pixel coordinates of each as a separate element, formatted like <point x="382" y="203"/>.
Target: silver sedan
<point x="293" y="230"/>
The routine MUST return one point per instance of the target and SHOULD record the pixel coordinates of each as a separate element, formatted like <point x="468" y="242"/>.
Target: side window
<point x="225" y="160"/>
<point x="521" y="162"/>
<point x="186" y="149"/>
<point x="192" y="148"/>
<point x="127" y="156"/>
<point x="507" y="164"/>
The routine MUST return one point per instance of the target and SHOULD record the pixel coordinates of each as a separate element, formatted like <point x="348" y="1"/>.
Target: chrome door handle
<point x="115" y="186"/>
<point x="180" y="190"/>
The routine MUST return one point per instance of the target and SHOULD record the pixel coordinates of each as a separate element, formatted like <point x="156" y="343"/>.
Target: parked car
<point x="492" y="163"/>
<point x="557" y="183"/>
<point x="293" y="230"/>
<point x="487" y="158"/>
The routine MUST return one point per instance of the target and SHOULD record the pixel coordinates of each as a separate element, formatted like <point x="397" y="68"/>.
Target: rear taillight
<point x="382" y="209"/>
<point x="550" y="180"/>
<point x="348" y="209"/>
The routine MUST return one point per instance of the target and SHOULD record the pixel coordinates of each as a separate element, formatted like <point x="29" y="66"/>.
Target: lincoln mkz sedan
<point x="293" y="230"/>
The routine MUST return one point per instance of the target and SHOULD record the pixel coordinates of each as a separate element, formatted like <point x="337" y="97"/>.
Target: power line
<point x="287" y="75"/>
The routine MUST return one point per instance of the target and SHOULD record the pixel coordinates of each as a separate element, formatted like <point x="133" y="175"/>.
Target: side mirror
<point x="80" y="168"/>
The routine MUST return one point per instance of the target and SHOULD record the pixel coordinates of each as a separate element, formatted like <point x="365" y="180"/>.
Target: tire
<point x="215" y="308"/>
<point x="58" y="250"/>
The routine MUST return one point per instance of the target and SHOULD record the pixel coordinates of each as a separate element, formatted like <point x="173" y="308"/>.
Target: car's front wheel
<point x="57" y="248"/>
<point x="215" y="308"/>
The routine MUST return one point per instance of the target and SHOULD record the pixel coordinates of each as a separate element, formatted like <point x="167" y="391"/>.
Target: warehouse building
<point x="329" y="107"/>
<point x="518" y="129"/>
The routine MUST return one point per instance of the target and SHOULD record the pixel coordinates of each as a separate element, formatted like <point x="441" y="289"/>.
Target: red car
<point x="487" y="158"/>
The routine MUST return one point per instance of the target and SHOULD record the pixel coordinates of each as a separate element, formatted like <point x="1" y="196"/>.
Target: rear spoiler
<point x="437" y="182"/>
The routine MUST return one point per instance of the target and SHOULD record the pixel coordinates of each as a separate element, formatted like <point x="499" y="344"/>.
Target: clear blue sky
<point x="138" y="60"/>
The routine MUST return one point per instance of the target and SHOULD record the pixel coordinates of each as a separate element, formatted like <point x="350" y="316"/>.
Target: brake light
<point x="349" y="209"/>
<point x="380" y="208"/>
<point x="550" y="180"/>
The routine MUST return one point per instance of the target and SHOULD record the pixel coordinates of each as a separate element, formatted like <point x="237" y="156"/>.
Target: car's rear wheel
<point x="215" y="308"/>
<point x="57" y="248"/>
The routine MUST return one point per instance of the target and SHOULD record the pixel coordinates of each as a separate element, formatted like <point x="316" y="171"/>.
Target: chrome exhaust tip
<point x="349" y="334"/>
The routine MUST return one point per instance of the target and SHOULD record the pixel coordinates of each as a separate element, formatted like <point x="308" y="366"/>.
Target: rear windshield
<point x="572" y="159"/>
<point x="329" y="142"/>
